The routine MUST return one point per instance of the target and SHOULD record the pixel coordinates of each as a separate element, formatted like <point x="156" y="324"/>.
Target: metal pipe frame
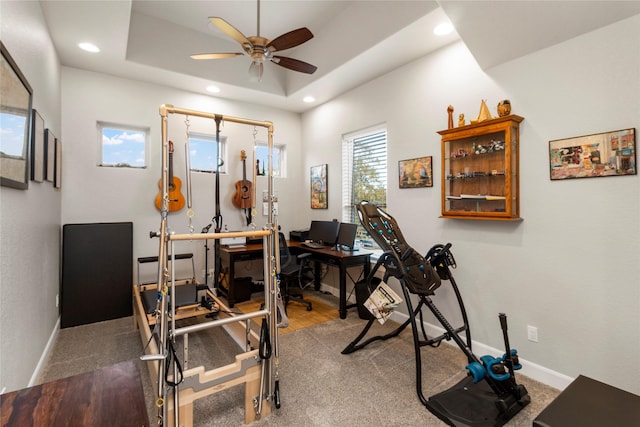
<point x="271" y="261"/>
<point x="212" y="236"/>
<point x="220" y="322"/>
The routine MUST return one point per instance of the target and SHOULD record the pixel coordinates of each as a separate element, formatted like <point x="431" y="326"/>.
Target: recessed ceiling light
<point x="443" y="28"/>
<point x="213" y="89"/>
<point x="308" y="99"/>
<point x="89" y="47"/>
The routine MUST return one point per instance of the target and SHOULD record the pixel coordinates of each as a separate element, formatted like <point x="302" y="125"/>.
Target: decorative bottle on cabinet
<point x="480" y="170"/>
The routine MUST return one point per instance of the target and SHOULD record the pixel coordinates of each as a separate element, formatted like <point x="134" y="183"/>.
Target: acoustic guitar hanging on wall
<point x="176" y="199"/>
<point x="242" y="197"/>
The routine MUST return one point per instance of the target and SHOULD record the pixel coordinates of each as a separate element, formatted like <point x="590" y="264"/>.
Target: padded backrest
<point x="285" y="255"/>
<point x="419" y="275"/>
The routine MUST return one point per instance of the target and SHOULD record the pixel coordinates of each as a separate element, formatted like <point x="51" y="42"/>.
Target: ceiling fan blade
<point x="229" y="30"/>
<point x="291" y="39"/>
<point x="215" y="55"/>
<point x="294" y="64"/>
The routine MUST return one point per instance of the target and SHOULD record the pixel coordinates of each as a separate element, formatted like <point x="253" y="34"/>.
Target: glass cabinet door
<point x="480" y="170"/>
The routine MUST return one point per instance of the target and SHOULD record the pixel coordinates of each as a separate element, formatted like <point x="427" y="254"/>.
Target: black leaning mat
<point x="418" y="274"/>
<point x="186" y="294"/>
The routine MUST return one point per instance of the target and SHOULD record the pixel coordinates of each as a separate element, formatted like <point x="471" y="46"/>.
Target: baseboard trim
<point x="529" y="369"/>
<point x="45" y="355"/>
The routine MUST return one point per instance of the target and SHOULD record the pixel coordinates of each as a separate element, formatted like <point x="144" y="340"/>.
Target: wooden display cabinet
<point x="480" y="170"/>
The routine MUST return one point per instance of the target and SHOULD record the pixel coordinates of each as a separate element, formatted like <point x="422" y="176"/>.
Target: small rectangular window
<point x="122" y="146"/>
<point x="262" y="159"/>
<point x="203" y="152"/>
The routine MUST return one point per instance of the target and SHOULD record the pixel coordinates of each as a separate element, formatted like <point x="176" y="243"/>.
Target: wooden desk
<point x="109" y="397"/>
<point x="229" y="257"/>
<point x="341" y="259"/>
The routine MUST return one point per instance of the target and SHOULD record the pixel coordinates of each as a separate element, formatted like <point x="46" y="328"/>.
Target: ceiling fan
<point x="261" y="49"/>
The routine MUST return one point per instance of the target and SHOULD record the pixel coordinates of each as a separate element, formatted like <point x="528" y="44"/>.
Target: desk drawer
<point x="248" y="257"/>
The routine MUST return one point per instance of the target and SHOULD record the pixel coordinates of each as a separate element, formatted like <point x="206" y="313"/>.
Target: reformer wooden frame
<point x="258" y="375"/>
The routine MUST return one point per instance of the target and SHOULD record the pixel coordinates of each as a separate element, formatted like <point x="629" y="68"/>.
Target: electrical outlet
<point x="57" y="300"/>
<point x="532" y="333"/>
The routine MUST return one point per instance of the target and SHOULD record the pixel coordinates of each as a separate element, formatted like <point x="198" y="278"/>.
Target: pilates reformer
<point x="192" y="298"/>
<point x="257" y="368"/>
<point x="489" y="395"/>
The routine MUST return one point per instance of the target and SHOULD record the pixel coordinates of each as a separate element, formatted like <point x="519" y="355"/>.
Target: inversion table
<point x="489" y="395"/>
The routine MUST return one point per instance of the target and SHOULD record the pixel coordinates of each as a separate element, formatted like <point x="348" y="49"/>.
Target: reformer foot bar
<point x="489" y="395"/>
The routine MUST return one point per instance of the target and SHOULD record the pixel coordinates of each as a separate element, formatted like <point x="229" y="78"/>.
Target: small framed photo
<point x="319" y="187"/>
<point x="49" y="154"/>
<point x="37" y="148"/>
<point x="415" y="173"/>
<point x="57" y="168"/>
<point x="603" y="154"/>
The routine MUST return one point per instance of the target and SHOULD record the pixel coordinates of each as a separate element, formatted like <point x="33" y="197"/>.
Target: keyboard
<point x="313" y="245"/>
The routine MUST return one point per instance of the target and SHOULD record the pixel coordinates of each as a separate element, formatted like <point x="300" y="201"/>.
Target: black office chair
<point x="296" y="274"/>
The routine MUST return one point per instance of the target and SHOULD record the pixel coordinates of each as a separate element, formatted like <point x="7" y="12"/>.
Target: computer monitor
<point x="324" y="232"/>
<point x="347" y="235"/>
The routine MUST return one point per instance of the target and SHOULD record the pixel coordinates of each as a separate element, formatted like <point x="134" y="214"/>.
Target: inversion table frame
<point x="489" y="396"/>
<point x="257" y="369"/>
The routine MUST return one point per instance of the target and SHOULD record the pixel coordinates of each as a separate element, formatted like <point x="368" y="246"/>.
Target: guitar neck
<point x="171" y="169"/>
<point x="244" y="171"/>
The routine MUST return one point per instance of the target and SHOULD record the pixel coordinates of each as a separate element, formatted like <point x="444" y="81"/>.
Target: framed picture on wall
<point x="15" y="122"/>
<point x="603" y="154"/>
<point x="37" y="147"/>
<point x="319" y="187"/>
<point x="57" y="169"/>
<point x="415" y="173"/>
<point x="50" y="154"/>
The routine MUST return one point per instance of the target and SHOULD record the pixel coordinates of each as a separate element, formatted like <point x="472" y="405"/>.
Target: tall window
<point x="122" y="146"/>
<point x="278" y="156"/>
<point x="364" y="175"/>
<point x="203" y="152"/>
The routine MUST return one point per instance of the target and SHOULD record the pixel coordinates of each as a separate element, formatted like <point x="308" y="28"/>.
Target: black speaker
<point x="299" y="235"/>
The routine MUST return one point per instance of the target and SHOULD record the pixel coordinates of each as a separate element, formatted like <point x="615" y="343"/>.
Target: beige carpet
<point x="299" y="317"/>
<point x="319" y="385"/>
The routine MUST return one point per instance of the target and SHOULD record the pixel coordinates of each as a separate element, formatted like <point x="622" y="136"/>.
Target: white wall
<point x="571" y="268"/>
<point x="99" y="194"/>
<point x="29" y="219"/>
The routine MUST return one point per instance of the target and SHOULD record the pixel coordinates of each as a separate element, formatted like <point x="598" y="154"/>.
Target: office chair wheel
<point x="309" y="307"/>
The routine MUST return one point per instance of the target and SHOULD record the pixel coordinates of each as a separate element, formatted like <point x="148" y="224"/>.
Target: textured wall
<point x="29" y="220"/>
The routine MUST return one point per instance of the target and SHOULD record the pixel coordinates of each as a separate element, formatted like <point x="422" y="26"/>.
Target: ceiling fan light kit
<point x="256" y="69"/>
<point x="261" y="49"/>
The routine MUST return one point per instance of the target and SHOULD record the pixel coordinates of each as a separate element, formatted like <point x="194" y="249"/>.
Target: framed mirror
<point x="15" y="120"/>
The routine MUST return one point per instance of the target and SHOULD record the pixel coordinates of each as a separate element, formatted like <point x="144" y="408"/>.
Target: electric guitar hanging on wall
<point x="176" y="199"/>
<point x="242" y="198"/>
